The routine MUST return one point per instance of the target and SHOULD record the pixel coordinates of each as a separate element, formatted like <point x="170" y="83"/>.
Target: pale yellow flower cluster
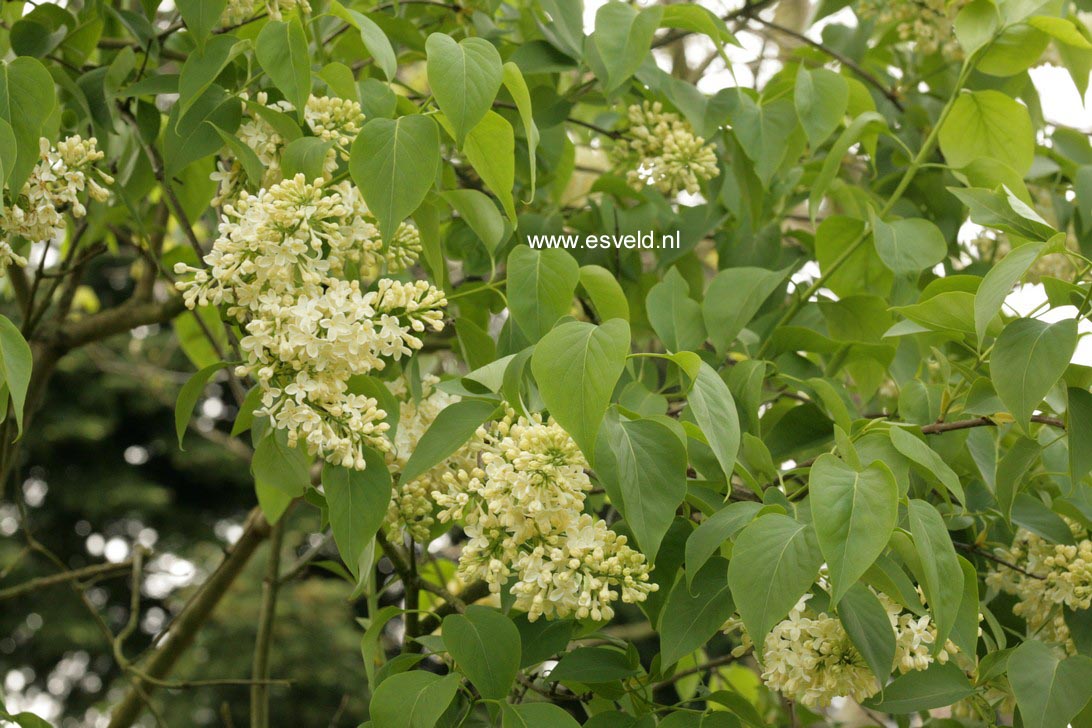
<point x="522" y="510"/>
<point x="808" y="657"/>
<point x="54" y="190"/>
<point x="929" y="24"/>
<point x="1067" y="581"/>
<point x="307" y="331"/>
<point x="238" y="11"/>
<point x="411" y="506"/>
<point x="333" y="119"/>
<point x="660" y="149"/>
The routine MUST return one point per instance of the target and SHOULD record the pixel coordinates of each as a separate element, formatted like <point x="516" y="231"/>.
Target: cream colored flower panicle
<point x="411" y="506"/>
<point x="522" y="510"/>
<point x="54" y="192"/>
<point x="661" y="150"/>
<point x="929" y="24"/>
<point x="308" y="332"/>
<point x="809" y="657"/>
<point x="237" y="11"/>
<point x="1066" y="571"/>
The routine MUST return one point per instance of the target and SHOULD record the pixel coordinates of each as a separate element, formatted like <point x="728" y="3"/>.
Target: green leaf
<point x="965" y="631"/>
<point x="491" y="149"/>
<point x="622" y="38"/>
<point x="694" y="612"/>
<point x="517" y="87"/>
<point x="193" y="135"/>
<point x="1049" y="691"/>
<point x="869" y="628"/>
<point x="775" y="560"/>
<point x="373" y="37"/>
<point x="202" y="67"/>
<point x="937" y="686"/>
<point x="540" y="286"/>
<point x="733" y="298"/>
<point x="454" y="425"/>
<point x="252" y="166"/>
<point x="988" y="124"/>
<point x="998" y="282"/>
<point x="464" y="77"/>
<point x="642" y="465"/>
<point x="1062" y="30"/>
<point x="1004" y="211"/>
<point x="357" y="500"/>
<point x="593" y="664"/>
<point x="16" y="362"/>
<point x="697" y="19"/>
<point x="282" y="467"/>
<point x="939" y="567"/>
<point x="714" y="410"/>
<point x="1012" y="51"/>
<point x="762" y="131"/>
<point x="201" y="16"/>
<point x="414" y="699"/>
<point x="542" y="639"/>
<point x="865" y="124"/>
<point x="306" y="156"/>
<point x="909" y="246"/>
<point x="1028" y="359"/>
<point x="187" y="397"/>
<point x="9" y="150"/>
<point x="480" y="214"/>
<point x="607" y="295"/>
<point x="535" y="715"/>
<point x="193" y="329"/>
<point x="394" y="163"/>
<point x="1011" y="469"/>
<point x="930" y="463"/>
<point x="27" y="99"/>
<point x="576" y="366"/>
<point x="855" y="512"/>
<point x="1079" y="430"/>
<point x="946" y="311"/>
<point x="821" y="97"/>
<point x="281" y="49"/>
<point x="674" y="315"/>
<point x="975" y="25"/>
<point x="486" y="648"/>
<point x="714" y="531"/>
<point x="860" y="270"/>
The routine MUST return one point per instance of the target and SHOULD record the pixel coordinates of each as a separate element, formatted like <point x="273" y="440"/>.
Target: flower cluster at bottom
<point x="523" y="512"/>
<point x="809" y="657"/>
<point x="1065" y="572"/>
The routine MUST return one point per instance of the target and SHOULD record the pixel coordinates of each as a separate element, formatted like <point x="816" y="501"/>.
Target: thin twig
<point x="259" y="692"/>
<point x="846" y="61"/>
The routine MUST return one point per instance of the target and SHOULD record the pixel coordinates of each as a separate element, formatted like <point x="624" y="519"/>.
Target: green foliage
<point x="813" y="445"/>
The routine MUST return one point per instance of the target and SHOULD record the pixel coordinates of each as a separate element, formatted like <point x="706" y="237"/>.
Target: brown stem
<point x="259" y="692"/>
<point x="96" y="571"/>
<point x="849" y="63"/>
<point x="182" y="631"/>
